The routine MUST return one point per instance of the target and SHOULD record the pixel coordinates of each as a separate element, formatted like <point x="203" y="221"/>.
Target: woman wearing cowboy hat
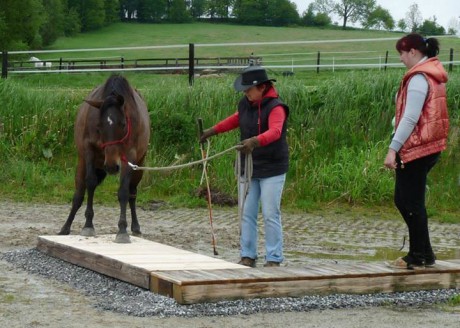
<point x="261" y="118"/>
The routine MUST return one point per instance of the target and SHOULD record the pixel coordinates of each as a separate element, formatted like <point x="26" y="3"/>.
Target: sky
<point x="444" y="10"/>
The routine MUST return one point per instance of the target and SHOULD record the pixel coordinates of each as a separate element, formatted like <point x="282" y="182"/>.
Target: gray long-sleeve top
<point x="416" y="95"/>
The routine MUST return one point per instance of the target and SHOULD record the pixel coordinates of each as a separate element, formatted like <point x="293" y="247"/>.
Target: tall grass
<point x="339" y="130"/>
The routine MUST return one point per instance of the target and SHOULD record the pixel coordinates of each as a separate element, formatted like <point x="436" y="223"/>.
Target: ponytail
<point x="432" y="47"/>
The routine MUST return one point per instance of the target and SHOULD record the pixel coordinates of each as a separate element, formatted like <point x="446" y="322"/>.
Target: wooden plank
<point x="189" y="294"/>
<point x="113" y="268"/>
<point x="131" y="262"/>
<point x="142" y="253"/>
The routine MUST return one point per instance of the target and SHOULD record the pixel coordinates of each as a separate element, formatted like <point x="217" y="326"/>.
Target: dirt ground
<point x="32" y="301"/>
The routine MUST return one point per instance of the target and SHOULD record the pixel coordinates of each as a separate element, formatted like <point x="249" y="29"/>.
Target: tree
<point x="413" y="18"/>
<point x="263" y="12"/>
<point x="3" y="29"/>
<point x="249" y="12"/>
<point x="281" y="13"/>
<point x="348" y="10"/>
<point x="402" y="25"/>
<point x="219" y="8"/>
<point x="379" y="18"/>
<point x="309" y="17"/>
<point x="21" y="24"/>
<point x="91" y="12"/>
<point x="128" y="9"/>
<point x="72" y="23"/>
<point x="53" y="26"/>
<point x="177" y="11"/>
<point x="431" y="27"/>
<point x="112" y="11"/>
<point x="151" y="10"/>
<point x="198" y="8"/>
<point x="453" y="26"/>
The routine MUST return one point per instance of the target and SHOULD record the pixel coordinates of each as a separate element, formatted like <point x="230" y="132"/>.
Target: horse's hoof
<point x="122" y="238"/>
<point x="64" y="232"/>
<point x="88" y="232"/>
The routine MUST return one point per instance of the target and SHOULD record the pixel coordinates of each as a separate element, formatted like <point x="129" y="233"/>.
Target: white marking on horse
<point x="109" y="120"/>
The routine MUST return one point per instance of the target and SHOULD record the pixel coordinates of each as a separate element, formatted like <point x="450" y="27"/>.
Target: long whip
<point x="208" y="189"/>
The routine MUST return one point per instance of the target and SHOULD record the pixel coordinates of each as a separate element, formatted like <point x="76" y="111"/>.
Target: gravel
<point x="117" y="296"/>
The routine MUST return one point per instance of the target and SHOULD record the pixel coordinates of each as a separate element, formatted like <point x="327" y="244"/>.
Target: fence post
<point x="318" y="62"/>
<point x="386" y="61"/>
<point x="451" y="59"/>
<point x="4" y="64"/>
<point x="191" y="63"/>
<point x="122" y="62"/>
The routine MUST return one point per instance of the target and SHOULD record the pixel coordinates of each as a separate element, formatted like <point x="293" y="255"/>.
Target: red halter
<point x="122" y="140"/>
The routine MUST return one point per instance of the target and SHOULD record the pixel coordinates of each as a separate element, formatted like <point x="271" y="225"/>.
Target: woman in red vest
<point x="262" y="121"/>
<point x="421" y="129"/>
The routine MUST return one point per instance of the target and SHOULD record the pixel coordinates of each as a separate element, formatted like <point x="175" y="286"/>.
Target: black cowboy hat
<point x="251" y="76"/>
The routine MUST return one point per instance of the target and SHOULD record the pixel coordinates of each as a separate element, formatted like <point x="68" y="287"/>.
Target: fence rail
<point x="326" y="60"/>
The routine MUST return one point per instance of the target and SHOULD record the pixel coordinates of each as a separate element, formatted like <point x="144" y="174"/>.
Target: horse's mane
<point x="117" y="85"/>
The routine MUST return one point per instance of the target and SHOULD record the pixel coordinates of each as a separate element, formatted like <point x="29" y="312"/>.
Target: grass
<point x="454" y="301"/>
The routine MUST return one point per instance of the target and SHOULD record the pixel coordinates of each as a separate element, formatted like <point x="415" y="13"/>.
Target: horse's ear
<point x="94" y="103"/>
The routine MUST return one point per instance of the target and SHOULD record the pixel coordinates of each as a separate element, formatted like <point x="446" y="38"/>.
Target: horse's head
<point x="114" y="130"/>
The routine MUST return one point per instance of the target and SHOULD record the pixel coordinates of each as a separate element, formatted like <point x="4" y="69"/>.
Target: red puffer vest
<point x="430" y="133"/>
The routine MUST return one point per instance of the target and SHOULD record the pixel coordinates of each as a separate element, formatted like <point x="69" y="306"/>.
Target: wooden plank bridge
<point x="192" y="278"/>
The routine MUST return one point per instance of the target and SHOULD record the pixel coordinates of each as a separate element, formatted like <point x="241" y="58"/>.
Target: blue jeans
<point x="268" y="191"/>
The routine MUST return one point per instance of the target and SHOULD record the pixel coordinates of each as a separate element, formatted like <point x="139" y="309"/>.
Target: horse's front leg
<point x="78" y="197"/>
<point x="135" y="226"/>
<point x="93" y="178"/>
<point x="123" y="197"/>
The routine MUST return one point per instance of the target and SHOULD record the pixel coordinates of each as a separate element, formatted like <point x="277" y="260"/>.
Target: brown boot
<point x="247" y="261"/>
<point x="271" y="264"/>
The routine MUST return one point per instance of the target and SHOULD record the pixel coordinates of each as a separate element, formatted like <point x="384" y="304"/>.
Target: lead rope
<point x="243" y="181"/>
<point x="180" y="166"/>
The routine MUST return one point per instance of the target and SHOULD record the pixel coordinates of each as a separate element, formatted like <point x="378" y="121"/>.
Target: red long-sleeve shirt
<point x="275" y="122"/>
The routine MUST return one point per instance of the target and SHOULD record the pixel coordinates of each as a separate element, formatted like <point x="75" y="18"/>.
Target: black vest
<point x="272" y="159"/>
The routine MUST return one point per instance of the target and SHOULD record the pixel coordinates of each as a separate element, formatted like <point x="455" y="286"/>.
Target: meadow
<point x="339" y="128"/>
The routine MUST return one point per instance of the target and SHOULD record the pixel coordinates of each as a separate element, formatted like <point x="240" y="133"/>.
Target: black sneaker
<point x="413" y="264"/>
<point x="430" y="263"/>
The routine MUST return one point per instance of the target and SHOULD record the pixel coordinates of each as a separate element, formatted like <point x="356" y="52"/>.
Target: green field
<point x="338" y="130"/>
<point x="204" y="34"/>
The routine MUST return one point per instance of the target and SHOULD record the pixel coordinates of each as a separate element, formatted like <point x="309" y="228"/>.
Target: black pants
<point x="410" y="200"/>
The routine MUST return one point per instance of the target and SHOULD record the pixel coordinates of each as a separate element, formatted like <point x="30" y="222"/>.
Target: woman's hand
<point x="206" y="134"/>
<point x="390" y="160"/>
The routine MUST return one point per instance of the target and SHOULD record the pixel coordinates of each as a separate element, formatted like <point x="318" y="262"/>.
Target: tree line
<point x="34" y="24"/>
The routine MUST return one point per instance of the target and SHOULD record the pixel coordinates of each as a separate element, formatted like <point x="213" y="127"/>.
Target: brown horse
<point x="112" y="128"/>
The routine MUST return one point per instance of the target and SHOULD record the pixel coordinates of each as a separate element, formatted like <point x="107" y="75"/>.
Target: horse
<point x="39" y="63"/>
<point x="112" y="128"/>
